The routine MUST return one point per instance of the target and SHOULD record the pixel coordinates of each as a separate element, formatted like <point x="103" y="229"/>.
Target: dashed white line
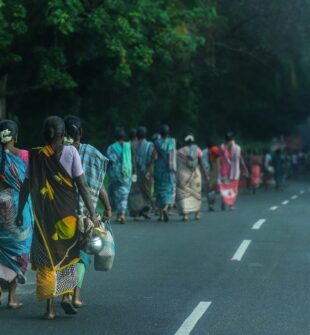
<point x="285" y="202"/>
<point x="274" y="208"/>
<point x="302" y="192"/>
<point x="294" y="197"/>
<point x="258" y="224"/>
<point x="241" y="250"/>
<point x="189" y="324"/>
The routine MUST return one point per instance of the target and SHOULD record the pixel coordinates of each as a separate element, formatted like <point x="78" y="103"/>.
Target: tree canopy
<point x="200" y="65"/>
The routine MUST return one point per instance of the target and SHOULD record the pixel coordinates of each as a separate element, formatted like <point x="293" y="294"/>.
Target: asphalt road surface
<point x="231" y="273"/>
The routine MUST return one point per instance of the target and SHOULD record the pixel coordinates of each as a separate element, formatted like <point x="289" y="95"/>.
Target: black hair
<point x="120" y="133"/>
<point x="156" y="137"/>
<point x="210" y="142"/>
<point x="73" y="127"/>
<point x="11" y="129"/>
<point x="133" y="133"/>
<point x="164" y="130"/>
<point x="53" y="128"/>
<point x="229" y="136"/>
<point x="141" y="133"/>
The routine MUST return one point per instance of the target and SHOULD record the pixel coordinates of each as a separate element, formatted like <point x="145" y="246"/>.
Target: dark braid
<point x="3" y="161"/>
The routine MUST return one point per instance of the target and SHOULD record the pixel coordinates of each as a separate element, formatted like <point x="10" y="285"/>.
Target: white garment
<point x="7" y="274"/>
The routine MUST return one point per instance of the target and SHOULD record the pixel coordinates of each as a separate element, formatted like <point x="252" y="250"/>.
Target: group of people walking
<point x="45" y="191"/>
<point x="146" y="175"/>
<point x="42" y="192"/>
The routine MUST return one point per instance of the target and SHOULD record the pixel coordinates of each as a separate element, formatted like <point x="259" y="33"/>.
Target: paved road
<point x="163" y="271"/>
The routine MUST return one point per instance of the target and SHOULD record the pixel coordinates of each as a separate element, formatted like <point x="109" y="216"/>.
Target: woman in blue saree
<point x="164" y="173"/>
<point x="120" y="174"/>
<point x="140" y="198"/>
<point x="15" y="241"/>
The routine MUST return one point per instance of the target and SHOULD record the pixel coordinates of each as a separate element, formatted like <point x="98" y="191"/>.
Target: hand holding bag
<point x="85" y="227"/>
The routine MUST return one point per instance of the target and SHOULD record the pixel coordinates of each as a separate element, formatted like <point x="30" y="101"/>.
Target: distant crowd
<point x="272" y="168"/>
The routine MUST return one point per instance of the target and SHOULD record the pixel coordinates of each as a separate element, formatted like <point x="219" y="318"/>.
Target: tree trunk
<point x="3" y="85"/>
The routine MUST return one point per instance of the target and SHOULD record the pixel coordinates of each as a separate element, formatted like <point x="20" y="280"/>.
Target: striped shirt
<point x="95" y="166"/>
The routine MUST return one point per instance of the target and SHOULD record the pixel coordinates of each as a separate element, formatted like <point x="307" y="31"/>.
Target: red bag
<point x="229" y="192"/>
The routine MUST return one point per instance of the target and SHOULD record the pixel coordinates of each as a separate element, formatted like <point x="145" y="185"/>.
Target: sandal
<point x="146" y="216"/>
<point x="15" y="305"/>
<point x="79" y="304"/>
<point x="49" y="317"/>
<point x="68" y="307"/>
<point x="121" y="220"/>
<point x="165" y="215"/>
<point x="185" y="217"/>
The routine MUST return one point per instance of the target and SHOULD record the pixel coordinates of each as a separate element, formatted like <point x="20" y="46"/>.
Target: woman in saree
<point x="94" y="164"/>
<point x="191" y="167"/>
<point x="140" y="198"/>
<point x="255" y="169"/>
<point x="15" y="242"/>
<point x="231" y="162"/>
<point x="278" y="162"/>
<point x="214" y="163"/>
<point x="120" y="174"/>
<point x="164" y="172"/>
<point x="55" y="176"/>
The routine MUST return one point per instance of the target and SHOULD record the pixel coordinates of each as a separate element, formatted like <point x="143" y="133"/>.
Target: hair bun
<point x="6" y="136"/>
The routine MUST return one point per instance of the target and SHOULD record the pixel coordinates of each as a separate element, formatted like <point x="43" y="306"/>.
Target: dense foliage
<point x="200" y="65"/>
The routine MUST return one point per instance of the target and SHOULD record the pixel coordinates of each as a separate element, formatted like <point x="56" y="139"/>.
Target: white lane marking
<point x="241" y="250"/>
<point x="258" y="224"/>
<point x="285" y="202"/>
<point x="189" y="324"/>
<point x="302" y="192"/>
<point x="294" y="197"/>
<point x="274" y="208"/>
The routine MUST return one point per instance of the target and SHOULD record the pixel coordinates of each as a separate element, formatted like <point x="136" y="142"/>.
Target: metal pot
<point x="94" y="245"/>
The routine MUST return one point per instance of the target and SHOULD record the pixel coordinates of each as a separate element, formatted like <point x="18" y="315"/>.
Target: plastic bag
<point x="105" y="258"/>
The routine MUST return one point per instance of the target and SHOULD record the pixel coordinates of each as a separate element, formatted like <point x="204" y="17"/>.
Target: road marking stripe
<point x="302" y="192"/>
<point x="189" y="324"/>
<point x="274" y="208"/>
<point x="285" y="202"/>
<point x="294" y="197"/>
<point x="258" y="224"/>
<point x="241" y="250"/>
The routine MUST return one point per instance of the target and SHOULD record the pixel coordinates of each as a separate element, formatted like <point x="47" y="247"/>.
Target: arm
<point x="151" y="162"/>
<point x="23" y="197"/>
<point x="203" y="168"/>
<point x="133" y="161"/>
<point x="84" y="191"/>
<point x="242" y="162"/>
<point x="104" y="198"/>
